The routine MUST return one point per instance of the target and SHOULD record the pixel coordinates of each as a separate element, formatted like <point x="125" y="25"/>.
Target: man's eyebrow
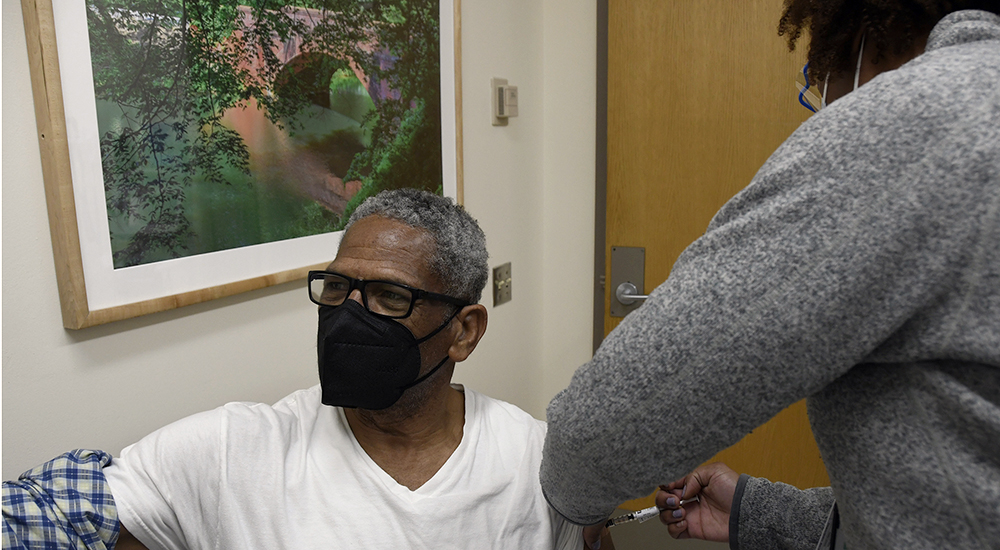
<point x="392" y="280"/>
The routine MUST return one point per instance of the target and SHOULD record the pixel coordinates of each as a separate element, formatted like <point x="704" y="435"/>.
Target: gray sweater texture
<point x="860" y="269"/>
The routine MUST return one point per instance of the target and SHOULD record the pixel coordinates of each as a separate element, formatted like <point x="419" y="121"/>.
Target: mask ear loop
<point x="861" y="52"/>
<point x="440" y="328"/>
<point x="857" y="72"/>
<point x="426" y="376"/>
<point x="443" y="361"/>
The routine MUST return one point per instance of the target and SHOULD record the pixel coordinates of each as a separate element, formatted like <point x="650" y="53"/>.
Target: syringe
<point x="642" y="515"/>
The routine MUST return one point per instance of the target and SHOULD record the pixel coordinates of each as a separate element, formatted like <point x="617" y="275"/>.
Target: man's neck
<point x="410" y="444"/>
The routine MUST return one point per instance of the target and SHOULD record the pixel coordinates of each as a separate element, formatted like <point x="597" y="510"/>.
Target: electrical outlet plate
<point x="501" y="284"/>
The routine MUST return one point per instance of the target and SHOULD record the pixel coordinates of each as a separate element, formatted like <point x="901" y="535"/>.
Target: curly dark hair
<point x="891" y="26"/>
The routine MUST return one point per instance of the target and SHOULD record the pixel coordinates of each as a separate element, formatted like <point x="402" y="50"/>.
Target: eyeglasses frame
<point x="359" y="284"/>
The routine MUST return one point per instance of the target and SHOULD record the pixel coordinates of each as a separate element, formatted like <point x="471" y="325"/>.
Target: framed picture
<point x="195" y="149"/>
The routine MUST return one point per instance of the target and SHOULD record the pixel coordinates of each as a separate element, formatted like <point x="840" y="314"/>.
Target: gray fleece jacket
<point x="861" y="269"/>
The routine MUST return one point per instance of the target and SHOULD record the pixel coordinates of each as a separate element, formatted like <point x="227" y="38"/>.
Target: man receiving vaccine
<point x="385" y="452"/>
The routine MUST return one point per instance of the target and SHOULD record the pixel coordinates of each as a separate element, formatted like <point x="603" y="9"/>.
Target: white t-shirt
<point x="292" y="475"/>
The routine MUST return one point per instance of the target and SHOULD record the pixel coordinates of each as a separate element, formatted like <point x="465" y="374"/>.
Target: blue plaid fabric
<point x="64" y="503"/>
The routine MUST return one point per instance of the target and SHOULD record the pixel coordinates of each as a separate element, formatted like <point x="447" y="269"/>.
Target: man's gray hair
<point x="460" y="259"/>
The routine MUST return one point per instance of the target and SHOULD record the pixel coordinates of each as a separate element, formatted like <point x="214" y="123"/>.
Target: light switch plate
<point x="501" y="284"/>
<point x="510" y="101"/>
<point x="497" y="86"/>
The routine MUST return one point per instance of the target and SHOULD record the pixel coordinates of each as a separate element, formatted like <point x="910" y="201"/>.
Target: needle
<point x="642" y="515"/>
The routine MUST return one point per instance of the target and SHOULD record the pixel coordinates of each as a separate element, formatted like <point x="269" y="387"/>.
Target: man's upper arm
<point x="127" y="541"/>
<point x="157" y="481"/>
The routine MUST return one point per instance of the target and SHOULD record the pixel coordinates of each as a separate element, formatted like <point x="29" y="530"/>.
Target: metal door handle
<point x="628" y="294"/>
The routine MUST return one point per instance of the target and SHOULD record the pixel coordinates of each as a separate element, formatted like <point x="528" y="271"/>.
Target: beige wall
<point x="531" y="186"/>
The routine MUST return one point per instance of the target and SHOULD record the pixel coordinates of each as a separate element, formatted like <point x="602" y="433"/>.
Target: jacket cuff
<point x="734" y="513"/>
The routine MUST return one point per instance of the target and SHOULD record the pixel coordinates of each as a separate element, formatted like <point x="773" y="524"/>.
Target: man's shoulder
<point x="289" y="414"/>
<point x="300" y="402"/>
<point x="501" y="415"/>
<point x="240" y="417"/>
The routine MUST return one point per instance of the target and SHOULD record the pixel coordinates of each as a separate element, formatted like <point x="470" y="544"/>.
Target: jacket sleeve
<point x="768" y="515"/>
<point x="64" y="503"/>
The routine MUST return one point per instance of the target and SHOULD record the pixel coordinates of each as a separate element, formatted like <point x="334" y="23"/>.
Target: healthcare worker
<point x="860" y="269"/>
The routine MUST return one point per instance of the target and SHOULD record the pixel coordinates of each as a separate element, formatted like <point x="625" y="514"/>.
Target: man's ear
<point x="472" y="326"/>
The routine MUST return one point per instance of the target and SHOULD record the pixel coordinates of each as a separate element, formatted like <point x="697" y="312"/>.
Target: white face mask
<point x="857" y="73"/>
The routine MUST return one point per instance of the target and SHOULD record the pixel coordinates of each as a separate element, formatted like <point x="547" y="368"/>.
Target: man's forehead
<point x="382" y="248"/>
<point x="379" y="233"/>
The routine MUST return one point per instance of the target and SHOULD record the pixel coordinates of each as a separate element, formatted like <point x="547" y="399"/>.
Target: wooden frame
<point x="77" y="309"/>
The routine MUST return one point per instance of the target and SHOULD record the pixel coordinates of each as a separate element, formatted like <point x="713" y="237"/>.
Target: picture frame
<point x="91" y="290"/>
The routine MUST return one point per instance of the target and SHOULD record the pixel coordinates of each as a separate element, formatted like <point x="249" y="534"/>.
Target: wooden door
<point x="700" y="93"/>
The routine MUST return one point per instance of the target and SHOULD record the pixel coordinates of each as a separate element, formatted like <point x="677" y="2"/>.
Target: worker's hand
<point x="706" y="518"/>
<point x="597" y="537"/>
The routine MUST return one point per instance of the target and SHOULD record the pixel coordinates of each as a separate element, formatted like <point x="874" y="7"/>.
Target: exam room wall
<point x="530" y="184"/>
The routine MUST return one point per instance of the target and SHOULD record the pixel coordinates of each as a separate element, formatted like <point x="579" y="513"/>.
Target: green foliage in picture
<point x="226" y="124"/>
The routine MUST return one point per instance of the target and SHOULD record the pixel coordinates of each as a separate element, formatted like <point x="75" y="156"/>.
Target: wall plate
<point x="501" y="284"/>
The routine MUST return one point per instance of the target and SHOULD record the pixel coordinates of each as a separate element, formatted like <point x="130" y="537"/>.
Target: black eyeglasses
<point x="379" y="297"/>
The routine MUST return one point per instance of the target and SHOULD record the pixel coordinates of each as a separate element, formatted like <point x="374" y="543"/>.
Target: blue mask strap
<point x="805" y="73"/>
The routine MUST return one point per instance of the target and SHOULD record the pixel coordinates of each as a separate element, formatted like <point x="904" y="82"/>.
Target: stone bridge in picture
<point x="315" y="171"/>
<point x="291" y="54"/>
